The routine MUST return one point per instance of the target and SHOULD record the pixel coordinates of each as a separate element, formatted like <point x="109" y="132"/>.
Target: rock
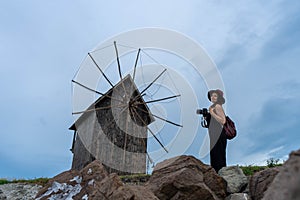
<point x="2" y="195"/>
<point x="260" y="181"/>
<point x="106" y="187"/>
<point x="238" y="196"/>
<point x="95" y="170"/>
<point x="14" y="191"/>
<point x="247" y="189"/>
<point x="286" y="185"/>
<point x="92" y="183"/>
<point x="135" y="180"/>
<point x="61" y="178"/>
<point x="235" y="178"/>
<point x="185" y="177"/>
<point x="130" y="192"/>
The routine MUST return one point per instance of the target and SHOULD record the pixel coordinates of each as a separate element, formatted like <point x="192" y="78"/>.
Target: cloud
<point x="273" y="132"/>
<point x="260" y="158"/>
<point x="257" y="61"/>
<point x="259" y="32"/>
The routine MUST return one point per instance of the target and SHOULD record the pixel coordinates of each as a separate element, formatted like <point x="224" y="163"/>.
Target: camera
<point x="205" y="119"/>
<point x="202" y="111"/>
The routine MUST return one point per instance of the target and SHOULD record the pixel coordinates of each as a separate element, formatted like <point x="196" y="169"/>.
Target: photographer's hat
<point x="221" y="99"/>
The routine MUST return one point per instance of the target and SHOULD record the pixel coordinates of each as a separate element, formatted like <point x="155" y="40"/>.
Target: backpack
<point x="229" y="128"/>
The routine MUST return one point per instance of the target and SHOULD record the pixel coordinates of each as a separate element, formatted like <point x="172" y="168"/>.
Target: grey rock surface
<point x="18" y="191"/>
<point x="235" y="178"/>
<point x="238" y="196"/>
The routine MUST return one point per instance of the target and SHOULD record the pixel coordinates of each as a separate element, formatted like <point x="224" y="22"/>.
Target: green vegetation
<point x="251" y="169"/>
<point x="136" y="179"/>
<point x="39" y="181"/>
<point x="3" y="181"/>
<point x="272" y="162"/>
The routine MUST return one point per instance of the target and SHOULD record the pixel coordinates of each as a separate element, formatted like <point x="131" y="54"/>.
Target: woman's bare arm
<point x="218" y="113"/>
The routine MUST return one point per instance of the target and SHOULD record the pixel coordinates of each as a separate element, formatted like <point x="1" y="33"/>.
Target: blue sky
<point x="255" y="44"/>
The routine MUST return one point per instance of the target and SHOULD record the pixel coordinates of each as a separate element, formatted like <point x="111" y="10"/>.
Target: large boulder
<point x="260" y="181"/>
<point x="185" y="177"/>
<point x="93" y="183"/>
<point x="286" y="185"/>
<point x="235" y="178"/>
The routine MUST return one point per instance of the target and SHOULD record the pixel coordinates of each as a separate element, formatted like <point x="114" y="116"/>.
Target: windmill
<point x="114" y="128"/>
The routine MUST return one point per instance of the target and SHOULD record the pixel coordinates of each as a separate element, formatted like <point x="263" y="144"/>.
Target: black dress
<point x="218" y="143"/>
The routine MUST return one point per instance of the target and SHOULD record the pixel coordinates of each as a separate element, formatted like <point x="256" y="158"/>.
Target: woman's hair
<point x="220" y="99"/>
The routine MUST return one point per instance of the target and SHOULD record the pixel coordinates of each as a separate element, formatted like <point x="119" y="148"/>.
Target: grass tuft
<point x="39" y="181"/>
<point x="250" y="170"/>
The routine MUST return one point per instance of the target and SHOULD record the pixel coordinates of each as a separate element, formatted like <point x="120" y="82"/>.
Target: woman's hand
<point x="211" y="108"/>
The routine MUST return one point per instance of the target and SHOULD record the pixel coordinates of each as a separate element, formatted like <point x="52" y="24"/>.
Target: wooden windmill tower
<point x="117" y="129"/>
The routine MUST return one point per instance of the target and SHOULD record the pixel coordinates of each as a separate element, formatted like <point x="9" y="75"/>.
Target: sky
<point x="255" y="46"/>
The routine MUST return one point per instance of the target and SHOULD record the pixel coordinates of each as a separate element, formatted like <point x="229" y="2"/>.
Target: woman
<point x="218" y="140"/>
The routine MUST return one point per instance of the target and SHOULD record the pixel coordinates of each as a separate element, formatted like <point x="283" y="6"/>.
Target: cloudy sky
<point x="255" y="45"/>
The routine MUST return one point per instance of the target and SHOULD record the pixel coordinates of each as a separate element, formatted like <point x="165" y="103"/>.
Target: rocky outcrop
<point x="182" y="177"/>
<point x="185" y="177"/>
<point x="260" y="181"/>
<point x="93" y="183"/>
<point x="13" y="191"/>
<point x="286" y="185"/>
<point x="235" y="178"/>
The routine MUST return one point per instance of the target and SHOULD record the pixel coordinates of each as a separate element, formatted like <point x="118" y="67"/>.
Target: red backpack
<point x="229" y="128"/>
